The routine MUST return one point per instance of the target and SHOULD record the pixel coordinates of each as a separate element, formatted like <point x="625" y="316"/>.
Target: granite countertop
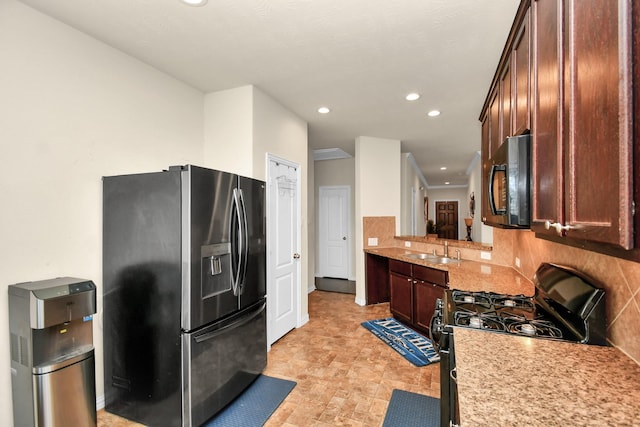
<point x="469" y="275"/>
<point x="506" y="380"/>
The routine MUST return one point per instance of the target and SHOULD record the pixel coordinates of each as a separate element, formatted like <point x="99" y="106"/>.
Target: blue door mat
<point x="255" y="405"/>
<point x="407" y="342"/>
<point x="408" y="409"/>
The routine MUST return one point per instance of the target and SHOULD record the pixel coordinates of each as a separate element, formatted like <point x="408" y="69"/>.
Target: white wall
<point x="334" y="173"/>
<point x="71" y="111"/>
<point x="378" y="175"/>
<point x="228" y="131"/>
<point x="413" y="191"/>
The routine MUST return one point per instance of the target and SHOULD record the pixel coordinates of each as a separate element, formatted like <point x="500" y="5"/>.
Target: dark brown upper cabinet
<point x="582" y="122"/>
<point x="507" y="109"/>
<point x="573" y="72"/>
<point x="521" y="65"/>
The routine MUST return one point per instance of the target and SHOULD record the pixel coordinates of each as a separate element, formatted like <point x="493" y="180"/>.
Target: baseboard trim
<point x="303" y="321"/>
<point x="100" y="402"/>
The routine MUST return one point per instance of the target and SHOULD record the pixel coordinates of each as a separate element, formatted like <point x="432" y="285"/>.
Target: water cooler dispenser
<point x="52" y="355"/>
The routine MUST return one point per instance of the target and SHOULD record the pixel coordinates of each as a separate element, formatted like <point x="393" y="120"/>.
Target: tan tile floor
<point x="344" y="374"/>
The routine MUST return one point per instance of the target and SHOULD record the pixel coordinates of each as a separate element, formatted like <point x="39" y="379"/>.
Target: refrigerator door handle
<point x="244" y="246"/>
<point x="232" y="325"/>
<point x="238" y="243"/>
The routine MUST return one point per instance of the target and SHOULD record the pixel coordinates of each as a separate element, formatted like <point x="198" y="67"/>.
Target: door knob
<point x="344" y="238"/>
<point x="296" y="256"/>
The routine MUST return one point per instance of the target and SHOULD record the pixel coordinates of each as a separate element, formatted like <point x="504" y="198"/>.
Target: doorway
<point x="283" y="247"/>
<point x="447" y="219"/>
<point x="334" y="231"/>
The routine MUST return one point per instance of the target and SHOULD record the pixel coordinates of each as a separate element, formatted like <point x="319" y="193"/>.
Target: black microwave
<point x="510" y="183"/>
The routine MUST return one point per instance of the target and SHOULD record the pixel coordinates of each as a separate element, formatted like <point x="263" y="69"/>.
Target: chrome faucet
<point x="446" y="249"/>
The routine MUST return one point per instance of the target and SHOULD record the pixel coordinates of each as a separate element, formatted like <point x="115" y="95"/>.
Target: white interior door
<point x="283" y="259"/>
<point x="334" y="233"/>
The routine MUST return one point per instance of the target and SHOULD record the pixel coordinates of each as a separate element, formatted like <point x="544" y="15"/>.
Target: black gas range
<point x="567" y="306"/>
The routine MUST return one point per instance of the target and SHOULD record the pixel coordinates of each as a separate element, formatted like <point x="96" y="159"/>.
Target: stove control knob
<point x="439" y="303"/>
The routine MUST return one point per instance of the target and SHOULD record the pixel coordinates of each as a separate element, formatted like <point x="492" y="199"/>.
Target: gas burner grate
<point x="481" y="299"/>
<point x="478" y="321"/>
<point x="520" y="302"/>
<point x="536" y="327"/>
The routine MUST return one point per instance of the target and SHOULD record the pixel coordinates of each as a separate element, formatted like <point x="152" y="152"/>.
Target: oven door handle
<point x="433" y="319"/>
<point x="436" y="318"/>
<point x="454" y="374"/>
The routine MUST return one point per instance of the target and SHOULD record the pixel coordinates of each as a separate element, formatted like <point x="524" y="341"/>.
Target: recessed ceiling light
<point x="412" y="97"/>
<point x="443" y="168"/>
<point x="433" y="113"/>
<point x="194" y="2"/>
<point x="447" y="183"/>
<point x="323" y="110"/>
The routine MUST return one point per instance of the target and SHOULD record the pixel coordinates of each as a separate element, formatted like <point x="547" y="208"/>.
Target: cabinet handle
<point x="408" y="280"/>
<point x="560" y="229"/>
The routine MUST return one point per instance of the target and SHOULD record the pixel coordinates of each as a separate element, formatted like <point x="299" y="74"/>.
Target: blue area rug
<point x="255" y="405"/>
<point x="410" y="344"/>
<point x="408" y="409"/>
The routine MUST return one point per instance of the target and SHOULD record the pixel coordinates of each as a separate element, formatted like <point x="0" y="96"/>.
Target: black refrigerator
<point x="184" y="282"/>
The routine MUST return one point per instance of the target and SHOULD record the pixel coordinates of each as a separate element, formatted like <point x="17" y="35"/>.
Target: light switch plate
<point x="372" y="241"/>
<point x="485" y="255"/>
<point x="407" y="244"/>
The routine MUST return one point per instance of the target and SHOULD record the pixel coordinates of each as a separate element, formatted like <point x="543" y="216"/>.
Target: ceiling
<point x="357" y="57"/>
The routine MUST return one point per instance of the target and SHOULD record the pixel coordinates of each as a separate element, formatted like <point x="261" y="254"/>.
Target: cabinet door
<point x="597" y="121"/>
<point x="425" y="295"/>
<point x="505" y="103"/>
<point x="495" y="137"/>
<point x="521" y="111"/>
<point x="546" y="156"/>
<point x="485" y="157"/>
<point x="401" y="296"/>
<point x="582" y="121"/>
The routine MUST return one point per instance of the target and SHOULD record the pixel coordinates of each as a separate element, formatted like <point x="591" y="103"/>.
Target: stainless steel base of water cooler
<point x="65" y="393"/>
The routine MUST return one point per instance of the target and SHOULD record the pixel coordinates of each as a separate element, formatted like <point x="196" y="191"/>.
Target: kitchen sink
<point x="434" y="258"/>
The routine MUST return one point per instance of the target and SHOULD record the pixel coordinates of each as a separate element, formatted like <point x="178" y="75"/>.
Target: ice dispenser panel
<point x="216" y="269"/>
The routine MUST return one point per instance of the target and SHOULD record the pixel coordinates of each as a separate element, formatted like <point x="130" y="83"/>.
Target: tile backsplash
<point x="619" y="277"/>
<point x="382" y="228"/>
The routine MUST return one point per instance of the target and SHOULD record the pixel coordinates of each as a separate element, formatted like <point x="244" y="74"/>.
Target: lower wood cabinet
<point x="401" y="287"/>
<point x="424" y="300"/>
<point x="414" y="290"/>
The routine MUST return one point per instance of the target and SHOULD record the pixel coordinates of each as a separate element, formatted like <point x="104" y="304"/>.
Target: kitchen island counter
<point x="468" y="275"/>
<point x="506" y="380"/>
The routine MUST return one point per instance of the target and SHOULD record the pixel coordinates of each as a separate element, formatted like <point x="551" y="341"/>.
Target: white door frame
<point x="270" y="239"/>
<point x="348" y="225"/>
<point x="414" y="208"/>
